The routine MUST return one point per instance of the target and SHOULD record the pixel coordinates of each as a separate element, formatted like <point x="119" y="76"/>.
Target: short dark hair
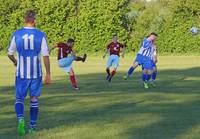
<point x="115" y="35"/>
<point x="70" y="40"/>
<point x="30" y="16"/>
<point x="155" y="34"/>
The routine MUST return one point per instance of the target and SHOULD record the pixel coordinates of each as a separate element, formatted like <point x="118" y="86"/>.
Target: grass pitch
<point x="117" y="110"/>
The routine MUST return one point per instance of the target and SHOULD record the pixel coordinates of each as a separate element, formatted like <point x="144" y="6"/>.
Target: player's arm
<point x="146" y="44"/>
<point x="107" y="50"/>
<point x="45" y="54"/>
<point x="11" y="51"/>
<point x="51" y="49"/>
<point x="123" y="50"/>
<point x="155" y="57"/>
<point x="105" y="53"/>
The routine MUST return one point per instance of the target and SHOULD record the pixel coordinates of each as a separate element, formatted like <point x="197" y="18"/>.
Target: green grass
<point x="117" y="110"/>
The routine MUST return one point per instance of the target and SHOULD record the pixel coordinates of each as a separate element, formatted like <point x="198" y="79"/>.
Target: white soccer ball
<point x="194" y="30"/>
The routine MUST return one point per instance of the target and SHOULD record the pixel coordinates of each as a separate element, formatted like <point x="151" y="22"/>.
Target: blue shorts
<point x="144" y="61"/>
<point x="66" y="63"/>
<point x="139" y="59"/>
<point x="113" y="60"/>
<point x="23" y="85"/>
<point x="153" y="64"/>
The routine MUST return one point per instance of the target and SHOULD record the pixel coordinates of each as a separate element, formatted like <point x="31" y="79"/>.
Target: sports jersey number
<point x="28" y="38"/>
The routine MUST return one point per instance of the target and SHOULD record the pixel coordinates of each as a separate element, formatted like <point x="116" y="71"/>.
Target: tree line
<point x="92" y="23"/>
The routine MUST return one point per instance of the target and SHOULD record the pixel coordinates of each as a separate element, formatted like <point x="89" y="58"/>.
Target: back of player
<point x="29" y="44"/>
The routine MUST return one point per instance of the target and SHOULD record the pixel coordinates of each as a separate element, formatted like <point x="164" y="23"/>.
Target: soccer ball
<point x="194" y="30"/>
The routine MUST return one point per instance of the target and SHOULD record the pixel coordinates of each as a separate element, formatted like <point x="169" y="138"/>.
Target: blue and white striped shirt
<point x="146" y="48"/>
<point x="29" y="44"/>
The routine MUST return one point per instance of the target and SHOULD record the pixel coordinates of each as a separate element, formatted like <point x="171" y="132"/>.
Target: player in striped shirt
<point x="143" y="58"/>
<point x="29" y="43"/>
<point x="66" y="56"/>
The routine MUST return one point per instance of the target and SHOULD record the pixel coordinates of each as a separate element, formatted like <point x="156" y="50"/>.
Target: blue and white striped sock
<point x="19" y="108"/>
<point x="34" y="109"/>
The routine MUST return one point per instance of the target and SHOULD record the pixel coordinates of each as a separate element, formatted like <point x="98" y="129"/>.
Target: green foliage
<point x="92" y="22"/>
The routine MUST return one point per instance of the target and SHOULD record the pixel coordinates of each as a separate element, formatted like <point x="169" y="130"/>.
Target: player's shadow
<point x="99" y="102"/>
<point x="168" y="81"/>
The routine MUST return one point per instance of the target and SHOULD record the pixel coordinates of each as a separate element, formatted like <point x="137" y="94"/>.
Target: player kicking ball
<point x="29" y="43"/>
<point x="114" y="50"/>
<point x="66" y="56"/>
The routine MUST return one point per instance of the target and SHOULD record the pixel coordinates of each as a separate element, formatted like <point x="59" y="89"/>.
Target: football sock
<point x="34" y="109"/>
<point x="148" y="77"/>
<point x="154" y="75"/>
<point x="130" y="71"/>
<point x="19" y="108"/>
<point x="108" y="71"/>
<point x="143" y="77"/>
<point x="113" y="73"/>
<point x="73" y="80"/>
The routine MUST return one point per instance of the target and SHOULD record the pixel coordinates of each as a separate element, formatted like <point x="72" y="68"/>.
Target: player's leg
<point x="78" y="58"/>
<point x="136" y="63"/>
<point x="146" y="77"/>
<point x="112" y="74"/>
<point x="108" y="73"/>
<point x="66" y="65"/>
<point x="116" y="65"/>
<point x="146" y="72"/>
<point x="66" y="62"/>
<point x="73" y="79"/>
<point x="109" y="64"/>
<point x="21" y="92"/>
<point x="132" y="68"/>
<point x="154" y="74"/>
<point x="35" y="89"/>
<point x="34" y="110"/>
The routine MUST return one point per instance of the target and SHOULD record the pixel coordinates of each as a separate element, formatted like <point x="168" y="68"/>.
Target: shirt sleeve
<point x="108" y="46"/>
<point x="58" y="45"/>
<point x="44" y="47"/>
<point x="12" y="47"/>
<point x="121" y="45"/>
<point x="146" y="43"/>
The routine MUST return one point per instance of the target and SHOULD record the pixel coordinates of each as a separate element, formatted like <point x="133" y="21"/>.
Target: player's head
<point x="30" y="18"/>
<point x="115" y="38"/>
<point x="70" y="42"/>
<point x="153" y="36"/>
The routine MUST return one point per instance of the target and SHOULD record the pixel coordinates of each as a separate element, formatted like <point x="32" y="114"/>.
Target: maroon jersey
<point x="63" y="50"/>
<point x="114" y="48"/>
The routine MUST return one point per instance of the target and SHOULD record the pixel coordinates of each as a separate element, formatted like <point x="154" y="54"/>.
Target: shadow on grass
<point x="168" y="81"/>
<point x="102" y="102"/>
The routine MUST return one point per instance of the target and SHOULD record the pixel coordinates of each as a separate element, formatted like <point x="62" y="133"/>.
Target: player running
<point x="114" y="50"/>
<point x="29" y="43"/>
<point x="144" y="58"/>
<point x="66" y="56"/>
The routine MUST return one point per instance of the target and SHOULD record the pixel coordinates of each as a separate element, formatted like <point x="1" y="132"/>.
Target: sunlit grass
<point x="117" y="110"/>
